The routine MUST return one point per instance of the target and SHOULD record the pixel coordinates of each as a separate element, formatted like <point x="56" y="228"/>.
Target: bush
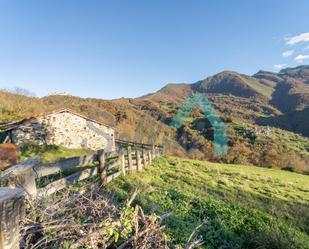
<point x="239" y="154"/>
<point x="292" y="162"/>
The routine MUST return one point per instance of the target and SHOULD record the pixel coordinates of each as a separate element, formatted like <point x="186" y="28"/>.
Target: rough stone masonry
<point x="64" y="128"/>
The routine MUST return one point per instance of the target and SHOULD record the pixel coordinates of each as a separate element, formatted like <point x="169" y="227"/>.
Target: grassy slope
<point x="50" y="153"/>
<point x="245" y="207"/>
<point x="291" y="140"/>
<point x="257" y="86"/>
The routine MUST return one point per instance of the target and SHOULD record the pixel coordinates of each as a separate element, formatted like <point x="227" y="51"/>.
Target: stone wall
<point x="66" y="129"/>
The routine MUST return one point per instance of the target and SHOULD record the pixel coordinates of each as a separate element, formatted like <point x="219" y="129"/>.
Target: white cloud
<point x="306" y="48"/>
<point x="280" y="66"/>
<point x="288" y="53"/>
<point x="301" y="57"/>
<point x="298" y="38"/>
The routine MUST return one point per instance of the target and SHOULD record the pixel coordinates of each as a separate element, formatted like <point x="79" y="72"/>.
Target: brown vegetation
<point x="9" y="155"/>
<point x="90" y="218"/>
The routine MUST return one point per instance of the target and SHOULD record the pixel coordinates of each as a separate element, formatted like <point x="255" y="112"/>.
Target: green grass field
<point x="239" y="206"/>
<point x="50" y="153"/>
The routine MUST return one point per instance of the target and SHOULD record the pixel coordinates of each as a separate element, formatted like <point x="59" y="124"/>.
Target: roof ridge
<point x="12" y="125"/>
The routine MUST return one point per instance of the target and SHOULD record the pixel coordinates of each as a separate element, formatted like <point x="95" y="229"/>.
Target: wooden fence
<point x="23" y="180"/>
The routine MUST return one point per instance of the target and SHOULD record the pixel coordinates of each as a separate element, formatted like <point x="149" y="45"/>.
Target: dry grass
<point x="89" y="219"/>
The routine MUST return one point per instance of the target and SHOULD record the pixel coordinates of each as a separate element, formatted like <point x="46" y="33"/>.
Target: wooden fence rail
<point x="21" y="181"/>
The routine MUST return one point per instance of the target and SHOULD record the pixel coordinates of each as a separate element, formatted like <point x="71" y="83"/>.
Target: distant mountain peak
<point x="230" y="82"/>
<point x="175" y="88"/>
<point x="300" y="71"/>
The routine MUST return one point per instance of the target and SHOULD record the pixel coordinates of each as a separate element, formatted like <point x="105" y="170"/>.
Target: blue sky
<point x="112" y="49"/>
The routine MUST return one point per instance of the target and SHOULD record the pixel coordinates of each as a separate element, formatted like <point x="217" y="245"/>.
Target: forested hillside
<point x="266" y="116"/>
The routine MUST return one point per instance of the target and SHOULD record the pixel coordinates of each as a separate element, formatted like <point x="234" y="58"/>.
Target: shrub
<point x="239" y="154"/>
<point x="292" y="162"/>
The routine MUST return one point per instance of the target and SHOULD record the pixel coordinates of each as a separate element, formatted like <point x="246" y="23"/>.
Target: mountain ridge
<point x="276" y="94"/>
<point x="257" y="122"/>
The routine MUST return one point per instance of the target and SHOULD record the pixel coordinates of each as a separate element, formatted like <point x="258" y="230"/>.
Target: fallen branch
<point x="198" y="241"/>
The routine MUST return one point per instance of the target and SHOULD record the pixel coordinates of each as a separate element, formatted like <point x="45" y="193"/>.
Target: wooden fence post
<point x="138" y="160"/>
<point x="153" y="152"/>
<point x="11" y="209"/>
<point x="123" y="163"/>
<point x="102" y="168"/>
<point x="149" y="156"/>
<point x="144" y="158"/>
<point x="130" y="167"/>
<point x="22" y="176"/>
<point x="157" y="151"/>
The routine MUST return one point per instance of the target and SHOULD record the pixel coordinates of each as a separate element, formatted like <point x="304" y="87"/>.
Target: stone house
<point x="63" y="127"/>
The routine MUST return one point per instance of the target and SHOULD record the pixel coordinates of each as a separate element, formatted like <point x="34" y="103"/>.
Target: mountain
<point x="233" y="94"/>
<point x="291" y="88"/>
<point x="233" y="83"/>
<point x="276" y="97"/>
<point x="266" y="116"/>
<point x="253" y="108"/>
